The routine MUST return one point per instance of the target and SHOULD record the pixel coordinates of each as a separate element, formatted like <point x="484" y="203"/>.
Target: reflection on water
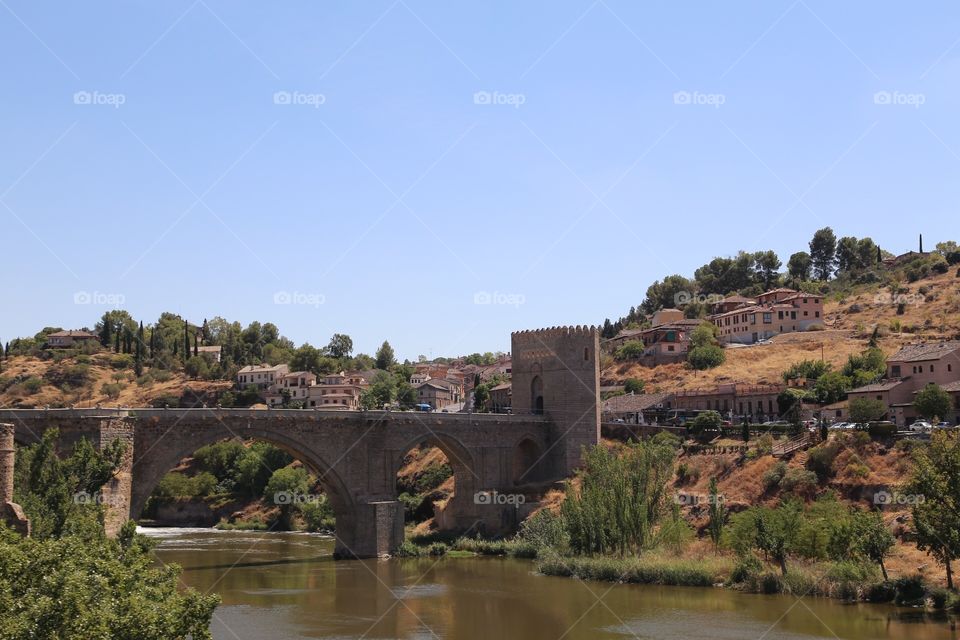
<point x="287" y="585"/>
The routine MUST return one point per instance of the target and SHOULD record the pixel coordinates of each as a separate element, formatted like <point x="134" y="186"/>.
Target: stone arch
<point x="465" y="473"/>
<point x="536" y="395"/>
<point x="152" y="464"/>
<point x="528" y="461"/>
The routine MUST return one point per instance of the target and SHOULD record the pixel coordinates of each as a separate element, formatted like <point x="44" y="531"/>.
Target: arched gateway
<point x="356" y="454"/>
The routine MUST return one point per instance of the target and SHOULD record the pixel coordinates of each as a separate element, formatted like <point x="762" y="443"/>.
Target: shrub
<point x="32" y="385"/>
<point x="910" y="591"/>
<point x="706" y="357"/>
<point x="630" y="350"/>
<point x="111" y="390"/>
<point x="881" y="592"/>
<point x="820" y="459"/>
<point x="815" y="327"/>
<point x="799" y="481"/>
<point x="121" y="361"/>
<point x="437" y="549"/>
<point x="773" y="476"/>
<point x="407" y="550"/>
<point x="544" y="530"/>
<point x="746" y="570"/>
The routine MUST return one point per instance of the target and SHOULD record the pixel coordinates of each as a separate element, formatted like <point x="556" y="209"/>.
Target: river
<point x="287" y="586"/>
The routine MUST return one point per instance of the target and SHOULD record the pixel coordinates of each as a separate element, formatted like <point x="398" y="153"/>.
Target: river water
<point x="287" y="586"/>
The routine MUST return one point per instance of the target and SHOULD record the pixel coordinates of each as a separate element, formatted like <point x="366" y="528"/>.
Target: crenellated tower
<point x="556" y="373"/>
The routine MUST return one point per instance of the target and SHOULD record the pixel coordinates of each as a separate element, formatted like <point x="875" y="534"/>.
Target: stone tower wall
<point x="561" y="365"/>
<point x="6" y="463"/>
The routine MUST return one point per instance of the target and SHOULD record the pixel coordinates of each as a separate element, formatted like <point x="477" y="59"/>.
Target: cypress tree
<point x="116" y="342"/>
<point x="196" y="344"/>
<point x="138" y="360"/>
<point x="105" y="333"/>
<point x="186" y="340"/>
<point x="153" y="343"/>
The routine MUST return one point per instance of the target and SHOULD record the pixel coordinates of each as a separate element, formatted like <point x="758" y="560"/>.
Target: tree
<point x="630" y="350"/>
<point x="767" y="268"/>
<point x="709" y="421"/>
<point x="186" y="340"/>
<point x="717" y="514"/>
<point x="673" y="291"/>
<point x="873" y="540"/>
<point x="286" y="488"/>
<point x="799" y="266"/>
<point x="831" y="387"/>
<point x="385" y="357"/>
<point x="138" y="358"/>
<point x="705" y="351"/>
<point x="936" y="517"/>
<point x="196" y="367"/>
<point x="633" y="385"/>
<point x="341" y="346"/>
<point x="823" y="250"/>
<point x="932" y="402"/>
<point x="309" y="358"/>
<point x="866" y="410"/>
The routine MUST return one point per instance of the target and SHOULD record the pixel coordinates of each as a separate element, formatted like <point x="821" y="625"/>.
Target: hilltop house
<point x="777" y="311"/>
<point x="64" y="339"/>
<point x="338" y="391"/>
<point x="501" y="398"/>
<point x="439" y="393"/>
<point x="213" y="352"/>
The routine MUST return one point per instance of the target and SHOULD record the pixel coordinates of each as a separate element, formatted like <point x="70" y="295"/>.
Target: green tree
<point x="932" y="402"/>
<point x="831" y="387"/>
<point x="385" y="357"/>
<point x="936" y="517"/>
<point x="799" y="266"/>
<point x="866" y="410"/>
<point x="286" y="488"/>
<point x="196" y="367"/>
<point x="667" y="294"/>
<point x="706" y="421"/>
<point x="823" y="250"/>
<point x="138" y="358"/>
<point x="717" y="516"/>
<point x="341" y="346"/>
<point x="630" y="350"/>
<point x="633" y="385"/>
<point x="767" y="266"/>
<point x="705" y="351"/>
<point x="874" y="540"/>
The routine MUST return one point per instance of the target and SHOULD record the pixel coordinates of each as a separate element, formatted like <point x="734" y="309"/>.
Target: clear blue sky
<point x="392" y="195"/>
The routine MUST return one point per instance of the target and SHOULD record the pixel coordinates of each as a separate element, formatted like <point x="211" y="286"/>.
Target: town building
<point x="338" y="391"/>
<point x="501" y="398"/>
<point x="439" y="393"/>
<point x="756" y="402"/>
<point x="630" y="407"/>
<point x="262" y="376"/>
<point x="774" y="312"/>
<point x="908" y="371"/>
<point x="211" y="352"/>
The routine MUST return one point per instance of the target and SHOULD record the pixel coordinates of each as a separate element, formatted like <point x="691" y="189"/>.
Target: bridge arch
<point x="529" y="460"/>
<point x="153" y="463"/>
<point x="465" y="472"/>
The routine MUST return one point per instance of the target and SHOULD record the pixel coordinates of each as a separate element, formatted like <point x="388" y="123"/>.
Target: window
<point x="586" y="356"/>
<point x="780" y="315"/>
<point x="806" y="313"/>
<point x="931" y="368"/>
<point x="767" y="318"/>
<point x="669" y="347"/>
<point x="804" y="301"/>
<point x="895" y="371"/>
<point x="816" y="314"/>
<point x="793" y="315"/>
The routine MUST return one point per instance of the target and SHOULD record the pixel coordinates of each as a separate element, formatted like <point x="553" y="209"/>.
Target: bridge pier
<point x="374" y="529"/>
<point x="10" y="512"/>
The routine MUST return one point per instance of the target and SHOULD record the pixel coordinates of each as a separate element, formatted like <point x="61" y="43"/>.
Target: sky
<point x="440" y="174"/>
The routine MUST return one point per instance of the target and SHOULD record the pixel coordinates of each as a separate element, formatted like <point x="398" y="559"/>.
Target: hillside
<point x="930" y="311"/>
<point x="88" y="380"/>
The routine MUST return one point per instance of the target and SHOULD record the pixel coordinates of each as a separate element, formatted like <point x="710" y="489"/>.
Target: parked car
<point x="943" y="425"/>
<point x="920" y="426"/>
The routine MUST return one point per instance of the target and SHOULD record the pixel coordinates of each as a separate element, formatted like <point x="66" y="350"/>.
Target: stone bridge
<point x="356" y="454"/>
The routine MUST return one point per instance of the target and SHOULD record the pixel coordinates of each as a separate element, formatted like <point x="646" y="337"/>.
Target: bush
<point x="746" y="570"/>
<point x="910" y="591"/>
<point x="111" y="390"/>
<point x="437" y="549"/>
<point x="820" y="459"/>
<point x="407" y="550"/>
<point x="706" y="357"/>
<point x="630" y="350"/>
<point x="544" y="530"/>
<point x="32" y="385"/>
<point x="881" y="592"/>
<point x="121" y="361"/>
<point x="773" y="476"/>
<point x="799" y="481"/>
